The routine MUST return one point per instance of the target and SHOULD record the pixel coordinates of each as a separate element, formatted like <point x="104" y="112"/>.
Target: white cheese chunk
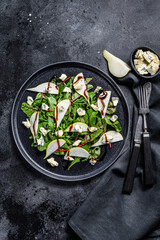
<point x="94" y="107"/>
<point x="115" y="101"/>
<point x="114" y="118"/>
<point x="93" y="129"/>
<point x="148" y="56"/>
<point x="69" y="158"/>
<point x="26" y="123"/>
<point x="143" y="69"/>
<point x="98" y="88"/>
<point x="61" y="108"/>
<point x="44" y="131"/>
<point x="40" y="141"/>
<point x="152" y="68"/>
<point x="81" y="112"/>
<point x="76" y="143"/>
<point x="63" y="77"/>
<point x="67" y="89"/>
<point x="78" y="128"/>
<point x="30" y="100"/>
<point x="59" y="133"/>
<point x="106" y="139"/>
<point x="139" y="54"/>
<point x="45" y="106"/>
<point x="92" y="162"/>
<point x="52" y="162"/>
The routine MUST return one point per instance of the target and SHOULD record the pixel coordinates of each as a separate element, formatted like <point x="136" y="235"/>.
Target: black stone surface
<point x="36" y="33"/>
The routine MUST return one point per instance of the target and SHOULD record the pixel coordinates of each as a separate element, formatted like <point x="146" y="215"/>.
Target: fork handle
<point x="129" y="179"/>
<point x="148" y="166"/>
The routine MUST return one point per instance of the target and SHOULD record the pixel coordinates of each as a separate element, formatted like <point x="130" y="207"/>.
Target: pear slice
<point x="116" y="66"/>
<point x="109" y="137"/>
<point x="78" y="127"/>
<point x="103" y="101"/>
<point x="34" y="119"/>
<point x="46" y="87"/>
<point x="80" y="86"/>
<point x="53" y="146"/>
<point x="61" y="110"/>
<point x="77" y="152"/>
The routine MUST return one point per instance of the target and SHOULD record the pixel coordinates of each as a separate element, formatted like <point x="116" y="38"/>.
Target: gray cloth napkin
<point x="107" y="214"/>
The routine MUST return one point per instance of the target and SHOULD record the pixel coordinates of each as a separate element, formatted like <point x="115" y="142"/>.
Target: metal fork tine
<point x="139" y="95"/>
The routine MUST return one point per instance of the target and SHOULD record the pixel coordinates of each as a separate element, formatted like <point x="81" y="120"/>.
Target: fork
<point x="144" y="95"/>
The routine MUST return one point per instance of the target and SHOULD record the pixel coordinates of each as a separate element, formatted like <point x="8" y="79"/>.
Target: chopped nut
<point x="67" y="89"/>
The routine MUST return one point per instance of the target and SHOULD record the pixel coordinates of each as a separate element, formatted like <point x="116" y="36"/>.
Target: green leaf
<point x="111" y="110"/>
<point x="88" y="79"/>
<point x="116" y="125"/>
<point x="96" y="134"/>
<point x="76" y="160"/>
<point x="95" y="152"/>
<point x="52" y="102"/>
<point x="89" y="87"/>
<point x="93" y="118"/>
<point x="51" y="124"/>
<point x="27" y="109"/>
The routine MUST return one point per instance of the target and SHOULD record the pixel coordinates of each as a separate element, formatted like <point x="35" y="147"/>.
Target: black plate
<point x="21" y="134"/>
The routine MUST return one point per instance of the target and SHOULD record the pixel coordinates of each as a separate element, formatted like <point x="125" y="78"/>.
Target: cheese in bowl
<point x="146" y="62"/>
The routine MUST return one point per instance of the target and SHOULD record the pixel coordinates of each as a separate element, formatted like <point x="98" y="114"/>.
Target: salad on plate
<point x="69" y="117"/>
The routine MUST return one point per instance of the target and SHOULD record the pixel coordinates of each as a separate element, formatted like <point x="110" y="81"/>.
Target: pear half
<point x="34" y="119"/>
<point x="77" y="152"/>
<point x="46" y="87"/>
<point x="61" y="110"/>
<point x="78" y="127"/>
<point x="80" y="86"/>
<point x="103" y="101"/>
<point x="53" y="146"/>
<point x="113" y="137"/>
<point x="117" y="67"/>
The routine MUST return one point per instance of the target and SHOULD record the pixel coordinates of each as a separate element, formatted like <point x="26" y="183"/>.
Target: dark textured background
<point x="36" y="33"/>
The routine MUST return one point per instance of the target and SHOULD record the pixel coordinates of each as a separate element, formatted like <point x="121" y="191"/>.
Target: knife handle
<point x="129" y="179"/>
<point x="148" y="166"/>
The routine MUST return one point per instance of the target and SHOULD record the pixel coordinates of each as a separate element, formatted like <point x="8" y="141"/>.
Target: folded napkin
<point x="107" y="214"/>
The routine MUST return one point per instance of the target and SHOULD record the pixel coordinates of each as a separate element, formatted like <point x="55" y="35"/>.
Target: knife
<point x="129" y="179"/>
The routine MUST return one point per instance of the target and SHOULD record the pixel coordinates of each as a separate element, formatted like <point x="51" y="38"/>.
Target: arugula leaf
<point x="89" y="87"/>
<point x="27" y="109"/>
<point x="96" y="134"/>
<point x="50" y="124"/>
<point x="88" y="79"/>
<point x="95" y="152"/>
<point x="52" y="102"/>
<point x="116" y="125"/>
<point x="76" y="160"/>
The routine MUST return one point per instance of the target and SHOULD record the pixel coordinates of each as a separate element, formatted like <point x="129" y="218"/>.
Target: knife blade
<point x="129" y="179"/>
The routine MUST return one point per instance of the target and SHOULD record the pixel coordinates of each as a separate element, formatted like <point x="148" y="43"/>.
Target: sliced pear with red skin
<point x="46" y="87"/>
<point x="80" y="86"/>
<point x="78" y="127"/>
<point x="34" y="119"/>
<point x="61" y="110"/>
<point x="103" y="101"/>
<point x="77" y="152"/>
<point x="110" y="137"/>
<point x="53" y="146"/>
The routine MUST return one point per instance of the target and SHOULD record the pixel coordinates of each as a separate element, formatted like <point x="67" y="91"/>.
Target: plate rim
<point x="33" y="163"/>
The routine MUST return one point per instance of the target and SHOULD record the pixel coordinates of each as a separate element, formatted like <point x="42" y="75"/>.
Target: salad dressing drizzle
<point x="34" y="124"/>
<point x="105" y="137"/>
<point x="48" y="87"/>
<point x="102" y="96"/>
<point x="68" y="155"/>
<point x="70" y="128"/>
<point x="85" y="94"/>
<point x="58" y="143"/>
<point x="79" y="77"/>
